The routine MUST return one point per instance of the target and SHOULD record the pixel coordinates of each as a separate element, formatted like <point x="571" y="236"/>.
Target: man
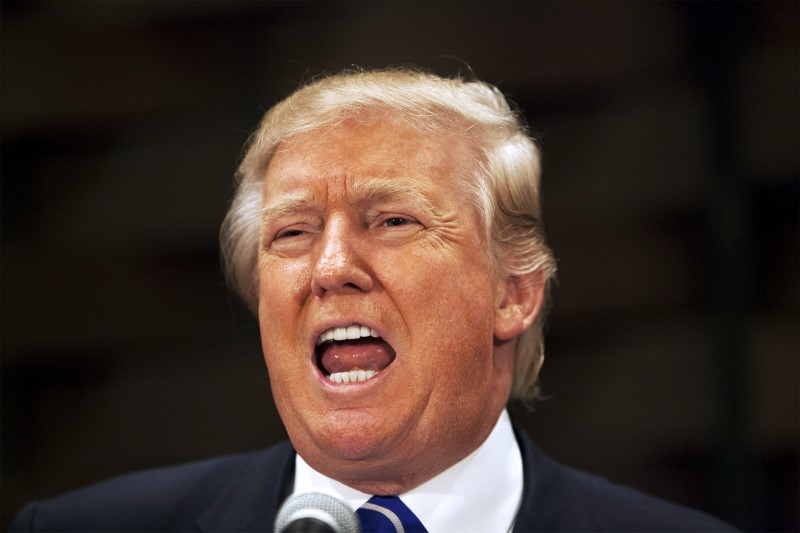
<point x="387" y="232"/>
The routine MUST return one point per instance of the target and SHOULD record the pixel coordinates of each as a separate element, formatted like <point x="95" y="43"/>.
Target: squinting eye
<point x="289" y="233"/>
<point x="396" y="221"/>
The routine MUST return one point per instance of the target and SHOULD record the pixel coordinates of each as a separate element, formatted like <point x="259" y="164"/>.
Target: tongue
<point x="364" y="354"/>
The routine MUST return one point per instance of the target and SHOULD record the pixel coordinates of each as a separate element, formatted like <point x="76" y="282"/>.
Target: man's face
<point x="366" y="232"/>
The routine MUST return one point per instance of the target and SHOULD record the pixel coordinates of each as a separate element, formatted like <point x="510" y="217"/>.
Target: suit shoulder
<point x="613" y="507"/>
<point x="559" y="498"/>
<point x="168" y="498"/>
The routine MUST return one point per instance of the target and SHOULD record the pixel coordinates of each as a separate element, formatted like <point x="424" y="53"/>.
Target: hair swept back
<point x="505" y="188"/>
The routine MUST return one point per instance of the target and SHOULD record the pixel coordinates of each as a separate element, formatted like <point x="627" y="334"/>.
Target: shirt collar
<point x="482" y="492"/>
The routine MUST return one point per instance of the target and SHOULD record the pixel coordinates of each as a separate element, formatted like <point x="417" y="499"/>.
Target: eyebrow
<point x="289" y="204"/>
<point x="381" y="190"/>
<point x="376" y="190"/>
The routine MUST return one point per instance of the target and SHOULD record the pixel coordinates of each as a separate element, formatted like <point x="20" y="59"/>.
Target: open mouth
<point x="352" y="354"/>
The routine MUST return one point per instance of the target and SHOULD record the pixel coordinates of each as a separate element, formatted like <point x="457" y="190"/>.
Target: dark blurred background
<point x="670" y="139"/>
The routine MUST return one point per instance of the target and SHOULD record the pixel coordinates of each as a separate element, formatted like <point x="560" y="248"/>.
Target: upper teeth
<point x="356" y="331"/>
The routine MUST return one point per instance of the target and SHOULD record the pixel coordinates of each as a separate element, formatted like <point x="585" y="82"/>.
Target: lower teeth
<point x="352" y="376"/>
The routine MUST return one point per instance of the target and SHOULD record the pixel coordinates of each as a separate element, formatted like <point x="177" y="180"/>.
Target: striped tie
<point x="387" y="514"/>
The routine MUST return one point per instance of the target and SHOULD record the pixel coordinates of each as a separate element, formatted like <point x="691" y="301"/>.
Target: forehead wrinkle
<point x="388" y="190"/>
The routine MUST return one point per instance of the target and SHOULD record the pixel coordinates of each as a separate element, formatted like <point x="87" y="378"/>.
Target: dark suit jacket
<point x="244" y="492"/>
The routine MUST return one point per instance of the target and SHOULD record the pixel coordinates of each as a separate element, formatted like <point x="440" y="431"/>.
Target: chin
<point x="352" y="437"/>
<point x="355" y="443"/>
<point x="354" y="448"/>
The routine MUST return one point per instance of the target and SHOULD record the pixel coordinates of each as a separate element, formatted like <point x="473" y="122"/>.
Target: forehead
<point x="352" y="151"/>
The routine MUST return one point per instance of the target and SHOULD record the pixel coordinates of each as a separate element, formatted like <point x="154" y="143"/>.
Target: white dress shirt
<point x="481" y="493"/>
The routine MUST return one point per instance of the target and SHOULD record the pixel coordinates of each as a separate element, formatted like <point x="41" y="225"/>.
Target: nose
<point x="340" y="268"/>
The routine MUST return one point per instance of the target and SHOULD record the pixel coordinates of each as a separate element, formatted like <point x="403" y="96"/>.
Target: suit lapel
<point x="251" y="501"/>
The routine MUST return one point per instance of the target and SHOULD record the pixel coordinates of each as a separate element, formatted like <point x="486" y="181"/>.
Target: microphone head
<point x="300" y="510"/>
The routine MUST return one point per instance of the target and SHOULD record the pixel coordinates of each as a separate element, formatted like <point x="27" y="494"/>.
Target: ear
<point x="519" y="301"/>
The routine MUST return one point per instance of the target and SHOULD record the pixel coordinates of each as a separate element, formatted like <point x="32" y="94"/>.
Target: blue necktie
<point x="387" y="514"/>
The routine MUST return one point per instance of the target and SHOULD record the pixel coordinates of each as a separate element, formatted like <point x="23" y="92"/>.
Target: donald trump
<point x="387" y="231"/>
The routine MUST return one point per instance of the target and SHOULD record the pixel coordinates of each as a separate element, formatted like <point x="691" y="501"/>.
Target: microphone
<point x="315" y="512"/>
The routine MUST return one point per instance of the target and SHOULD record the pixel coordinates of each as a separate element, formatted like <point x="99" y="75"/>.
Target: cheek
<point x="282" y="284"/>
<point x="460" y="296"/>
<point x="454" y="313"/>
<point x="280" y="290"/>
